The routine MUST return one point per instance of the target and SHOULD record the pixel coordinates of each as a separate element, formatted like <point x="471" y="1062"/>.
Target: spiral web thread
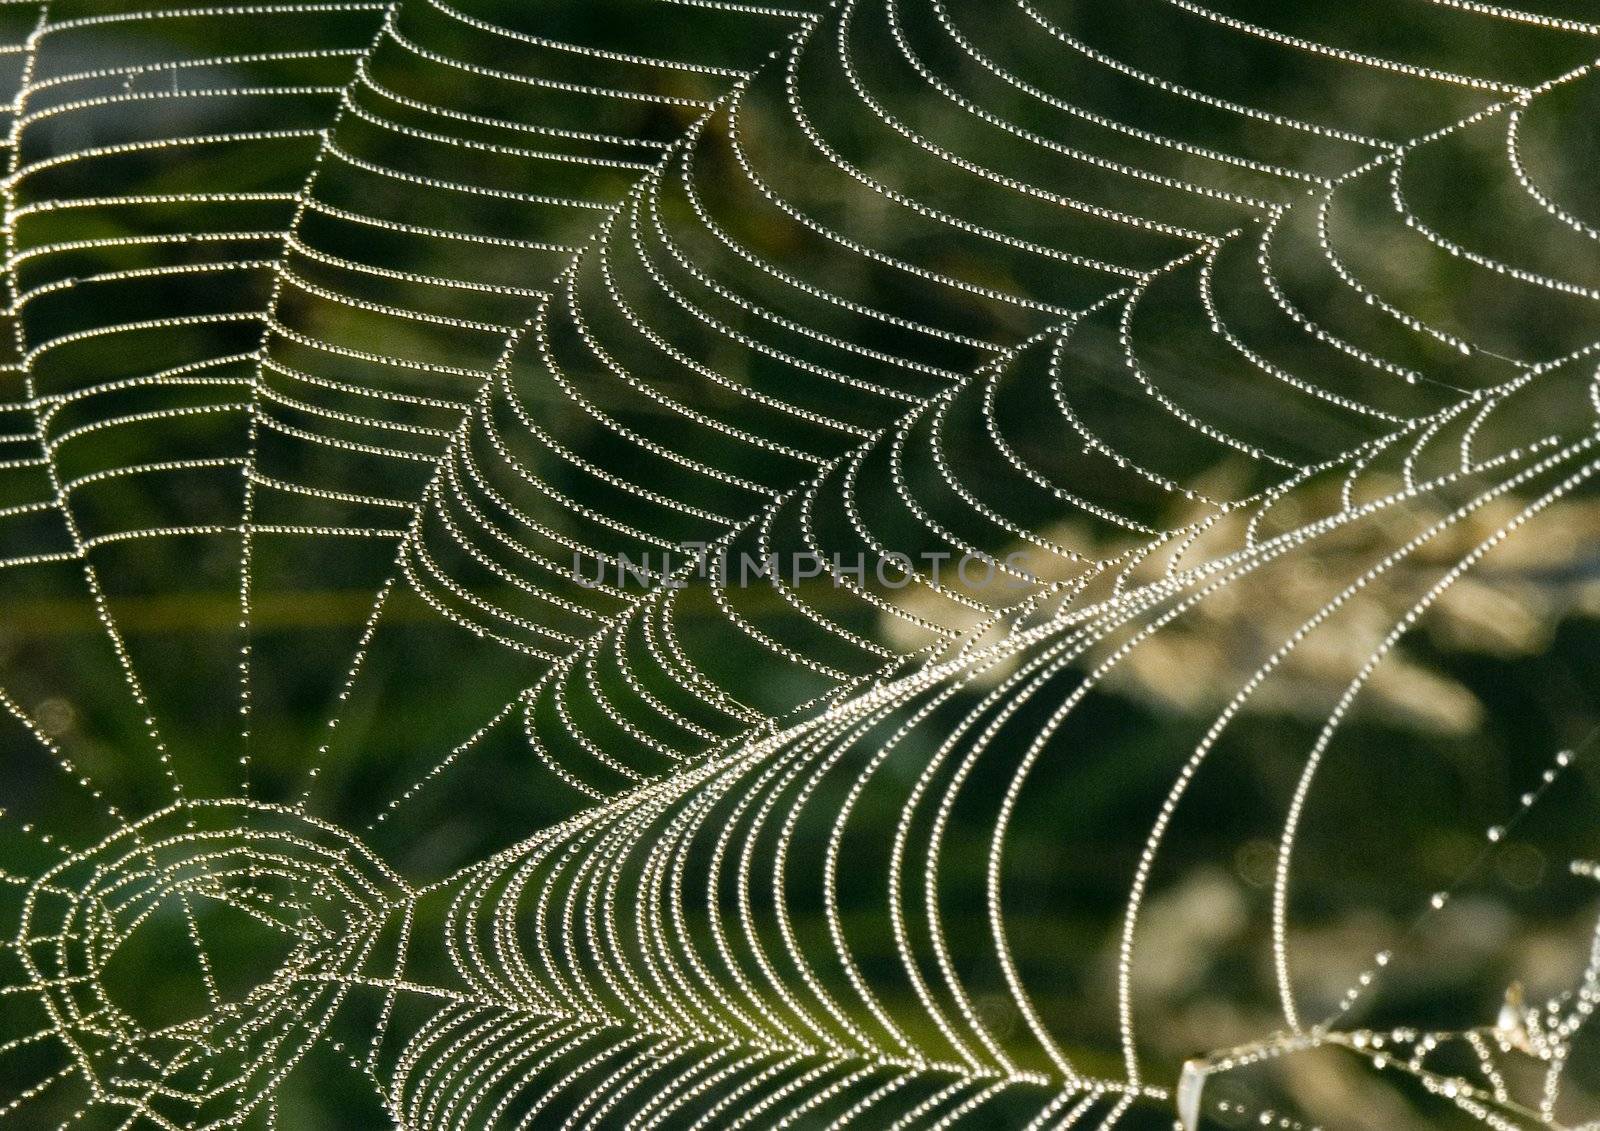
<point x="477" y="308"/>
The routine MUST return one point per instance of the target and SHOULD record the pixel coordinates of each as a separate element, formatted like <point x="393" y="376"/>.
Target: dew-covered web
<point x="1164" y="435"/>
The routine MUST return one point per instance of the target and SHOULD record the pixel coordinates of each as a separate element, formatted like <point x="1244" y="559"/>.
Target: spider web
<point x="435" y="371"/>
